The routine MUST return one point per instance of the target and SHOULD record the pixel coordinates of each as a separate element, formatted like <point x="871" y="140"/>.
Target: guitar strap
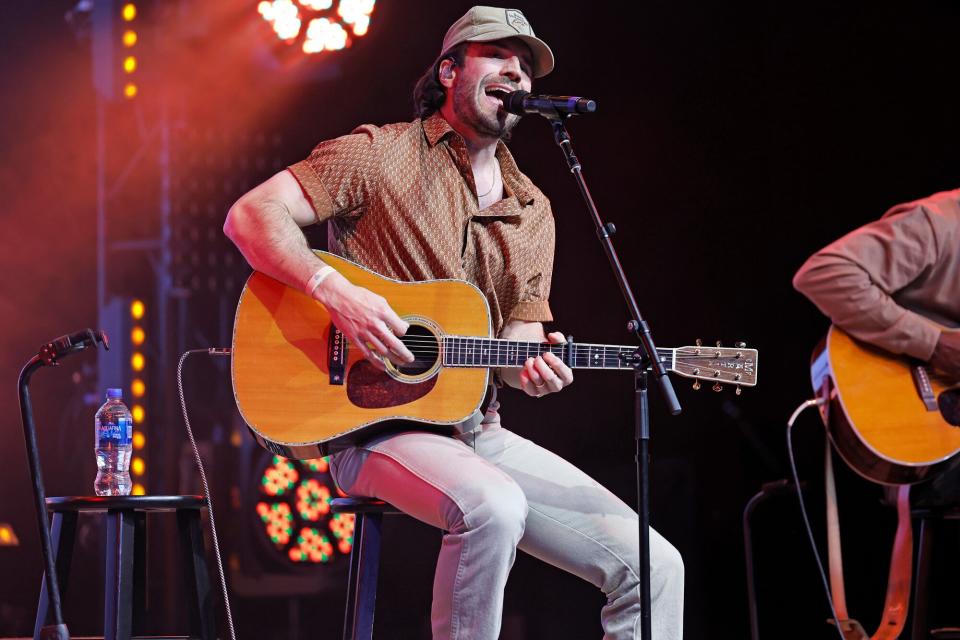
<point x="896" y="604"/>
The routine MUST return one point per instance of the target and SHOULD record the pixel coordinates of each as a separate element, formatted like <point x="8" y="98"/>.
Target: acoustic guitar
<point x="304" y="391"/>
<point x="882" y="413"/>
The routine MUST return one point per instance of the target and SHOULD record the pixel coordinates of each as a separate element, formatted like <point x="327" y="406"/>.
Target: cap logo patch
<point x="516" y="20"/>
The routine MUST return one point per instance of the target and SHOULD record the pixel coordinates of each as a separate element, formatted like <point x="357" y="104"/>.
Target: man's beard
<point x="466" y="107"/>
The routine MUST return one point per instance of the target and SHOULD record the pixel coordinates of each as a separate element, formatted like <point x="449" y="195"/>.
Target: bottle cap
<point x="114" y="394"/>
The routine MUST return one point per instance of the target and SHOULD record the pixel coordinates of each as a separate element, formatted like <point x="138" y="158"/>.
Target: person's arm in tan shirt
<point x="854" y="279"/>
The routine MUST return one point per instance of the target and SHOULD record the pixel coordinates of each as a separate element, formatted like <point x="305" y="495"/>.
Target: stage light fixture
<point x="138" y="440"/>
<point x="138" y="388"/>
<point x="129" y="11"/>
<point x="138" y="413"/>
<point x="329" y="24"/>
<point x="137" y="361"/>
<point x="139" y="490"/>
<point x="137" y="335"/>
<point x="129" y="38"/>
<point x="138" y="466"/>
<point x="130" y="64"/>
<point x="7" y="536"/>
<point x="137" y="309"/>
<point x="294" y="508"/>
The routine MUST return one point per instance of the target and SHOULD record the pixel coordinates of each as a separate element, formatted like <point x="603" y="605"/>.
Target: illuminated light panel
<point x="137" y="361"/>
<point x="138" y="413"/>
<point x="130" y="64"/>
<point x="317" y="5"/>
<point x="341" y="526"/>
<point x="317" y="465"/>
<point x="357" y="13"/>
<point x="7" y="537"/>
<point x="313" y="500"/>
<point x="138" y="335"/>
<point x="129" y="11"/>
<point x="138" y="388"/>
<point x="130" y="90"/>
<point x="279" y="521"/>
<point x="139" y="490"/>
<point x="279" y="478"/>
<point x="129" y="38"/>
<point x="325" y="35"/>
<point x="137" y="466"/>
<point x="312" y="546"/>
<point x="283" y="16"/>
<point x="138" y="440"/>
<point x="137" y="309"/>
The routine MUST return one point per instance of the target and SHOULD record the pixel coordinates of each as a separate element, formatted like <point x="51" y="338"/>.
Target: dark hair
<point x="428" y="94"/>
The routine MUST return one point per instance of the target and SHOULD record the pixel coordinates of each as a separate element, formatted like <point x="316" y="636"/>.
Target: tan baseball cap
<point x="483" y="24"/>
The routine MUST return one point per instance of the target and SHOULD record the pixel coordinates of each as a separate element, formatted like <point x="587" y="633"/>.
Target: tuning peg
<point x="739" y="390"/>
<point x="696" y="385"/>
<point x="717" y="387"/>
<point x="718" y="344"/>
<point x="698" y="342"/>
<point x="741" y="345"/>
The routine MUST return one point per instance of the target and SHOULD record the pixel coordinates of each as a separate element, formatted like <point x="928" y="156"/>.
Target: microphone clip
<point x="51" y="353"/>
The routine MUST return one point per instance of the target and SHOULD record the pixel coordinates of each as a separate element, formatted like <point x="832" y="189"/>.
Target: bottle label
<point x="120" y="433"/>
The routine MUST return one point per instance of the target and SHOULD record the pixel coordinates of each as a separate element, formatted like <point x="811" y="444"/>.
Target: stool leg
<point x="919" y="629"/>
<point x="362" y="583"/>
<point x="139" y="572"/>
<point x="118" y="583"/>
<point x="198" y="580"/>
<point x="63" y="532"/>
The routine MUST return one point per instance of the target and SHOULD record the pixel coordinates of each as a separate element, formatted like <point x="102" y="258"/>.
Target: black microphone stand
<point x="642" y="362"/>
<point x="49" y="355"/>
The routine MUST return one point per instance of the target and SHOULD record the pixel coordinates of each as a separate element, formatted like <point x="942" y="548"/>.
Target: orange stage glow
<point x="139" y="490"/>
<point x="138" y="388"/>
<point x="137" y="361"/>
<point x="137" y="466"/>
<point x="137" y="309"/>
<point x="130" y="64"/>
<point x="138" y="413"/>
<point x="137" y="336"/>
<point x="129" y="11"/>
<point x="129" y="38"/>
<point x="138" y="440"/>
<point x="130" y="90"/>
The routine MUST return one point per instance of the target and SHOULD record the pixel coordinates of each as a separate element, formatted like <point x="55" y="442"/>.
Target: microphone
<point x="523" y="102"/>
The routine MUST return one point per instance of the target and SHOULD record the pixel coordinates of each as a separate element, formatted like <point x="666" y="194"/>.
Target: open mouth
<point x="497" y="93"/>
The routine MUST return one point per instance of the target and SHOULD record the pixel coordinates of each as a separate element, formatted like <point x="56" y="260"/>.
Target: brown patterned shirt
<point x="401" y="200"/>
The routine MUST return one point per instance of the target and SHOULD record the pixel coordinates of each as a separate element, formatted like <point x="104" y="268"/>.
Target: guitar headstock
<point x="735" y="365"/>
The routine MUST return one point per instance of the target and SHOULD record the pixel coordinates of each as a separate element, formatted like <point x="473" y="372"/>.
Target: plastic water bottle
<point x="113" y="443"/>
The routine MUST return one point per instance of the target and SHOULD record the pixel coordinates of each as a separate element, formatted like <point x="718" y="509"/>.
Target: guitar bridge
<point x="337" y="358"/>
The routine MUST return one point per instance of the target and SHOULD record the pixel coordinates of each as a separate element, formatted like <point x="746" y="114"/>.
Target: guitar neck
<point x="460" y="351"/>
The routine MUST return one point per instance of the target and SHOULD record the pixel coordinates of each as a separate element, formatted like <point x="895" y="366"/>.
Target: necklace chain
<point x="493" y="180"/>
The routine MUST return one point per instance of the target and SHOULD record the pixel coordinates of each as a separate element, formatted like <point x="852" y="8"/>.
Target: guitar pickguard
<point x="370" y="388"/>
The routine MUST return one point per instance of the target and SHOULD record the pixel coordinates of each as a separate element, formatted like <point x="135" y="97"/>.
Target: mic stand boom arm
<point x="642" y="362"/>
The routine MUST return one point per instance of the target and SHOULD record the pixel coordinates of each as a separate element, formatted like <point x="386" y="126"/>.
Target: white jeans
<point x="494" y="492"/>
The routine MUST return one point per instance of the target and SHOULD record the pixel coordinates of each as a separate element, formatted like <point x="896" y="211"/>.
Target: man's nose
<point x="512" y="69"/>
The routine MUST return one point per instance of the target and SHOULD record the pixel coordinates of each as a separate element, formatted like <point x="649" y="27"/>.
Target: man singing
<point x="442" y="197"/>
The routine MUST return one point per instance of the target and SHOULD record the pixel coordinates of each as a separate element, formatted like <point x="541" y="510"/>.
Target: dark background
<point x="730" y="143"/>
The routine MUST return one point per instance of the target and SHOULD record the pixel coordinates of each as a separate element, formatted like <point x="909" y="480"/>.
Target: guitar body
<point x="281" y="365"/>
<point x="876" y="415"/>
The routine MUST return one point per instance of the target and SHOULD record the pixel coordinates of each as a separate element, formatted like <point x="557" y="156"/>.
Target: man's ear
<point x="447" y="72"/>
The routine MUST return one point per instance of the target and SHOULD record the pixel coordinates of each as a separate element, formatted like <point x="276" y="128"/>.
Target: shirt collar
<point x="436" y="128"/>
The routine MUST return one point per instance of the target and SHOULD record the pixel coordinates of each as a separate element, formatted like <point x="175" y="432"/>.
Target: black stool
<point x="364" y="563"/>
<point x="126" y="546"/>
<point x="930" y="520"/>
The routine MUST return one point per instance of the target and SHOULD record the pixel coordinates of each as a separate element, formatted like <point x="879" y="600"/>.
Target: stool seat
<point x="362" y="505"/>
<point x="96" y="504"/>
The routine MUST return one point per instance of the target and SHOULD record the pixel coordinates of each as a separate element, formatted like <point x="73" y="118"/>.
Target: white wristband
<point x="317" y="279"/>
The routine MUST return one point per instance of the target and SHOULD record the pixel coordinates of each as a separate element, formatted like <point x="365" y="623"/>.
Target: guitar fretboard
<point x="460" y="351"/>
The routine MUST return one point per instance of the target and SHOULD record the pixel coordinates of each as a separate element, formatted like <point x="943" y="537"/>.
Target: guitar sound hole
<point x="425" y="349"/>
